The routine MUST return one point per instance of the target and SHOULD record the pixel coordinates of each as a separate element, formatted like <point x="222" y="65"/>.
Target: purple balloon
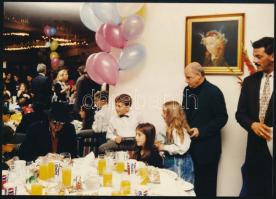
<point x="132" y="27"/>
<point x="106" y="67"/>
<point x="113" y="35"/>
<point x="91" y="69"/>
<point x="100" y="40"/>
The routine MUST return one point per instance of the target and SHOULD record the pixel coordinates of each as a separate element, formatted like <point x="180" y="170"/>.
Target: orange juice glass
<point x="144" y="174"/>
<point x="120" y="166"/>
<point x="51" y="169"/>
<point x="107" y="179"/>
<point x="43" y="171"/>
<point x="66" y="176"/>
<point x="36" y="189"/>
<point x="101" y="166"/>
<point x="125" y="187"/>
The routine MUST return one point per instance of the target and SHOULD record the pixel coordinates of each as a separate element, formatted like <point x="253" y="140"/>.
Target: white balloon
<point x="126" y="9"/>
<point x="88" y="17"/>
<point x="131" y="56"/>
<point x="107" y="12"/>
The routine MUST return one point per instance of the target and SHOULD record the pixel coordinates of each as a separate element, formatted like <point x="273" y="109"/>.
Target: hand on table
<point x="261" y="130"/>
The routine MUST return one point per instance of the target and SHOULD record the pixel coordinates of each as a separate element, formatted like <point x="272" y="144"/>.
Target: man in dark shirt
<point x="205" y="108"/>
<point x="56" y="135"/>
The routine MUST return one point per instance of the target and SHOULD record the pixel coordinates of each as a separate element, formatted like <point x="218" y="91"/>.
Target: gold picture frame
<point x="216" y="42"/>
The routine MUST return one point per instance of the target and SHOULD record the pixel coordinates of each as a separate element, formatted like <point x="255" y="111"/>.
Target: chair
<point x="88" y="140"/>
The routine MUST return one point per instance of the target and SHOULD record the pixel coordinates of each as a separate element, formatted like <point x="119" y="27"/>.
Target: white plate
<point x="170" y="173"/>
<point x="187" y="186"/>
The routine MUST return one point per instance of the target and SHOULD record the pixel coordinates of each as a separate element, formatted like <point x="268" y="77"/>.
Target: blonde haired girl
<point x="176" y="141"/>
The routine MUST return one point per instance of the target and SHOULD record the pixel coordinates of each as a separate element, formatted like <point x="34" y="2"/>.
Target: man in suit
<point x="206" y="112"/>
<point x="54" y="135"/>
<point x="41" y="87"/>
<point x="255" y="115"/>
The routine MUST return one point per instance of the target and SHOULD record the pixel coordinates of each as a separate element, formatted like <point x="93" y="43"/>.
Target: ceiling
<point x="32" y="17"/>
<point x="44" y="12"/>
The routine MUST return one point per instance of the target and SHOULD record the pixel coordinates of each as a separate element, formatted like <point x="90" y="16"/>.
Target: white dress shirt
<point x="102" y="118"/>
<point x="123" y="126"/>
<point x="269" y="143"/>
<point x="177" y="147"/>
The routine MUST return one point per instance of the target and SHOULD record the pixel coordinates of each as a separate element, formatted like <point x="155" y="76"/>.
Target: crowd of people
<point x="190" y="142"/>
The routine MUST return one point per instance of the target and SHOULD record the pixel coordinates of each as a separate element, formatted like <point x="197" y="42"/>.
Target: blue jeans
<point x="182" y="165"/>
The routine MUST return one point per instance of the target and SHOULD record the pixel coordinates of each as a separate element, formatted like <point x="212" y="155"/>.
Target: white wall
<point x="160" y="77"/>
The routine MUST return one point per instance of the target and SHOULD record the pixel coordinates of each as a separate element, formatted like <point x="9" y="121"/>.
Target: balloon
<point x="106" y="67"/>
<point x="142" y="11"/>
<point x="131" y="56"/>
<point x="54" y="55"/>
<point x="132" y="27"/>
<point x="88" y="17"/>
<point x="126" y="9"/>
<point x="91" y="70"/>
<point x="113" y="35"/>
<point x="100" y="40"/>
<point x="55" y="63"/>
<point x="54" y="45"/>
<point x="47" y="30"/>
<point x="52" y="31"/>
<point x="106" y="12"/>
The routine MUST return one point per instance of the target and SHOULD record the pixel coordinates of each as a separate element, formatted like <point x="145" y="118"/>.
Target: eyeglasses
<point x="57" y="123"/>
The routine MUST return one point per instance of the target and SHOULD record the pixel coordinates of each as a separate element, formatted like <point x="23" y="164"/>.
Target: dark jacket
<point x="38" y="141"/>
<point x="257" y="153"/>
<point x="41" y="87"/>
<point x="206" y="110"/>
<point x="154" y="159"/>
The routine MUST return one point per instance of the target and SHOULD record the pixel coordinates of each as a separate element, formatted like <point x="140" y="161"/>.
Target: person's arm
<point x="219" y="117"/>
<point x="98" y="122"/>
<point x="178" y="147"/>
<point x="110" y="134"/>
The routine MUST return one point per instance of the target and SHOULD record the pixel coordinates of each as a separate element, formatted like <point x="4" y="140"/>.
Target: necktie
<point x="264" y="99"/>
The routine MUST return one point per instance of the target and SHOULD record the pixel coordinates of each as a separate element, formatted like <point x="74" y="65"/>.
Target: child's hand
<point x="159" y="146"/>
<point x="118" y="139"/>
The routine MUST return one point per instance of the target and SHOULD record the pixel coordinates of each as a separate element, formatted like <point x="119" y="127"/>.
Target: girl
<point x="60" y="88"/>
<point x="145" y="149"/>
<point x="177" y="142"/>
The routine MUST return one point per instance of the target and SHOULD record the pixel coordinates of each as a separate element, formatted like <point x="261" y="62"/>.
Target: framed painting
<point x="216" y="42"/>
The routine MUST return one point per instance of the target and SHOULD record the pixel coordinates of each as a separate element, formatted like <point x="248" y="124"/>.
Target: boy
<point x="121" y="129"/>
<point x="102" y="116"/>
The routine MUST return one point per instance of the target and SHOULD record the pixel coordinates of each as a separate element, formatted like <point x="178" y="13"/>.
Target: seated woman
<point x="145" y="150"/>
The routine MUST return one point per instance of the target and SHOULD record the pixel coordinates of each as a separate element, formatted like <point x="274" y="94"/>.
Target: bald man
<point x="205" y="108"/>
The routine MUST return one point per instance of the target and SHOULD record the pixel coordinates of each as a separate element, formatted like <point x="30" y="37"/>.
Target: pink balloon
<point x="100" y="40"/>
<point x="55" y="63"/>
<point x="106" y="67"/>
<point x="113" y="35"/>
<point x="90" y="68"/>
<point x="47" y="30"/>
<point x="132" y="27"/>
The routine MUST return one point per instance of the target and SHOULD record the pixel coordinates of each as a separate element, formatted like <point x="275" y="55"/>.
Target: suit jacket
<point x="257" y="153"/>
<point x="38" y="141"/>
<point x="41" y="87"/>
<point x="205" y="109"/>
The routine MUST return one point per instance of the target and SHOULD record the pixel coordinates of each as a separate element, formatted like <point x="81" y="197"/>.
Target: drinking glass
<point x="66" y="156"/>
<point x="43" y="172"/>
<point x="125" y="187"/>
<point x="36" y="189"/>
<point x="107" y="178"/>
<point x="101" y="164"/>
<point x="67" y="176"/>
